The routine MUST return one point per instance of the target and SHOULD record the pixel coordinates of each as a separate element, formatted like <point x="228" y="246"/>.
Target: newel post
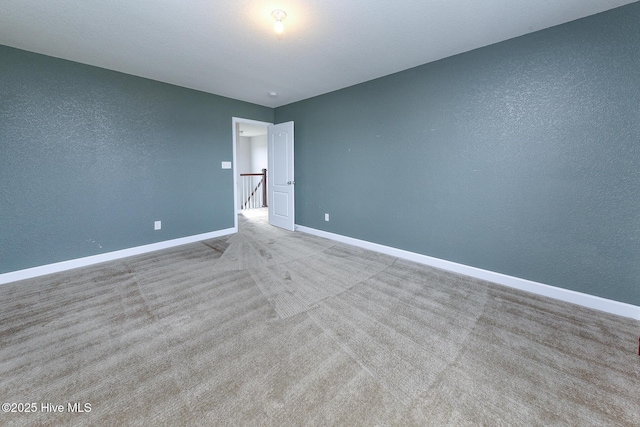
<point x="264" y="188"/>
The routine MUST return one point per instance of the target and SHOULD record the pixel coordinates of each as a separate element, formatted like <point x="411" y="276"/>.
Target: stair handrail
<point x="263" y="183"/>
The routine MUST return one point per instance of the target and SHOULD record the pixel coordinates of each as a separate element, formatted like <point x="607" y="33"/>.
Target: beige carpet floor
<point x="273" y="328"/>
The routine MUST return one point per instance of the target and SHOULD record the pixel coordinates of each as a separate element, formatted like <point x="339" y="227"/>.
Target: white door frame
<point x="234" y="122"/>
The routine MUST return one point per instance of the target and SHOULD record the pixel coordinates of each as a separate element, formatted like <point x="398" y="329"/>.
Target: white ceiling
<point x="251" y="130"/>
<point x="228" y="47"/>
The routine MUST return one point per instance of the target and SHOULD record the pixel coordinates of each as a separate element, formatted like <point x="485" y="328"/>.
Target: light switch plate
<point x="226" y="165"/>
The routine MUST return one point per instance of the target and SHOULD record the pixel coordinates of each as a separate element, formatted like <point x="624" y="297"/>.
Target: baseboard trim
<point x="585" y="300"/>
<point x="57" y="267"/>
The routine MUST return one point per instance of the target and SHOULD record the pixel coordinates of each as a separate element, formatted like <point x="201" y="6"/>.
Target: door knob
<point x="291" y="182"/>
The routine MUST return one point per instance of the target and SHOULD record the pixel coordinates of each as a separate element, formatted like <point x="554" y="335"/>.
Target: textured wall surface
<point x="89" y="158"/>
<point x="521" y="158"/>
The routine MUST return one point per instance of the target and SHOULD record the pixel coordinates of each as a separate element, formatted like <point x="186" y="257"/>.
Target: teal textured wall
<point x="89" y="158"/>
<point x="521" y="158"/>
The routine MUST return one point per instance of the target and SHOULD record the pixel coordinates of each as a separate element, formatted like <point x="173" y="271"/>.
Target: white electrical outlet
<point x="157" y="225"/>
<point x="326" y="217"/>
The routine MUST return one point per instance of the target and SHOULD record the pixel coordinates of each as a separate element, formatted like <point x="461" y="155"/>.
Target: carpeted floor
<point x="273" y="328"/>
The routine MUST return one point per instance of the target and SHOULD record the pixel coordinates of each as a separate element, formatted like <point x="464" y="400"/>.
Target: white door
<point x="280" y="180"/>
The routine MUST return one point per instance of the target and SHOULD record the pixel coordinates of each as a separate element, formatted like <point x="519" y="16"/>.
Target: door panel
<point x="281" y="180"/>
<point x="280" y="204"/>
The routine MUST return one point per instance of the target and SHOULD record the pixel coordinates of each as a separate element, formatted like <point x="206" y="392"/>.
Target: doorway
<point x="256" y="146"/>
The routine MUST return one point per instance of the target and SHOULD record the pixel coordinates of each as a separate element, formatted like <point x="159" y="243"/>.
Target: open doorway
<point x="250" y="161"/>
<point x="258" y="186"/>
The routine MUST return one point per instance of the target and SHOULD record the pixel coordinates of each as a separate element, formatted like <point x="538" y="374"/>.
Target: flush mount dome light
<point x="279" y="16"/>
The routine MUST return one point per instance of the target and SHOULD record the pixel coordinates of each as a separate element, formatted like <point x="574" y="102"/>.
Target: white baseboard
<point x="109" y="256"/>
<point x="585" y="300"/>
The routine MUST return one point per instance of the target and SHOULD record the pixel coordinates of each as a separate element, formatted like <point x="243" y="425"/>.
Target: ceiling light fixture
<point x="279" y="16"/>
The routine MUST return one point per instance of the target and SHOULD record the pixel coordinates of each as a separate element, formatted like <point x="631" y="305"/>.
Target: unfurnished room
<point x="303" y="213"/>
